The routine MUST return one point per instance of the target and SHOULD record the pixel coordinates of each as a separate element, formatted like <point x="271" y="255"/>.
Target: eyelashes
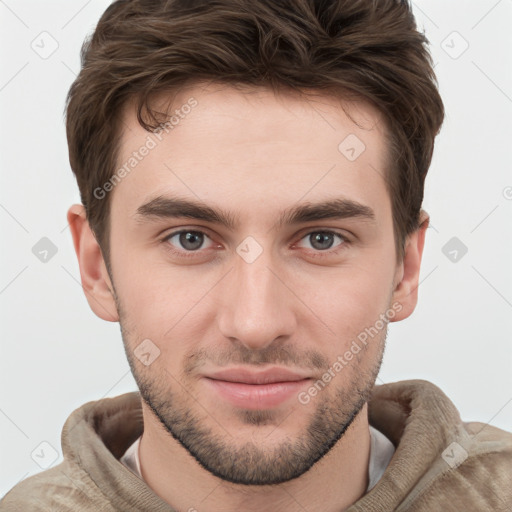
<point x="191" y="242"/>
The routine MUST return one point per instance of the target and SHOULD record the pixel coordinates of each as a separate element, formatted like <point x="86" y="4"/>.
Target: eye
<point x="191" y="242"/>
<point x="188" y="240"/>
<point x="324" y="240"/>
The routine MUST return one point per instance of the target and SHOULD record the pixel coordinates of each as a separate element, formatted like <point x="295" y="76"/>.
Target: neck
<point x="340" y="478"/>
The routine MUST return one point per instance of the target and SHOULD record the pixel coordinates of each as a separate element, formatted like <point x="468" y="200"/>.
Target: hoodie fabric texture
<point x="440" y="464"/>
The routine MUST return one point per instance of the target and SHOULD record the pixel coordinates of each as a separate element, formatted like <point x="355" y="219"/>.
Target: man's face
<point x="258" y="294"/>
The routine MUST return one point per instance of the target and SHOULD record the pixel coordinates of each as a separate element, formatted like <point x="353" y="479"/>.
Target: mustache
<point x="240" y="354"/>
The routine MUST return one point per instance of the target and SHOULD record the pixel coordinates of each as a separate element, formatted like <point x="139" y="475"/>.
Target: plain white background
<point x="56" y="355"/>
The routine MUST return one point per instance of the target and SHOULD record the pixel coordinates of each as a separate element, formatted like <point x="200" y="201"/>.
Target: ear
<point x="408" y="272"/>
<point x="93" y="272"/>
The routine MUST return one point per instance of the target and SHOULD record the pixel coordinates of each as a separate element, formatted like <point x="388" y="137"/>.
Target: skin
<point x="297" y="305"/>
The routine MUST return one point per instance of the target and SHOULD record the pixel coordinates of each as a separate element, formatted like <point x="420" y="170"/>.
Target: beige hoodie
<point x="441" y="464"/>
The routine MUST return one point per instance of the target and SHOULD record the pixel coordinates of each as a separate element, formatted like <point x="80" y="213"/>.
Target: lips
<point x="269" y="376"/>
<point x="252" y="390"/>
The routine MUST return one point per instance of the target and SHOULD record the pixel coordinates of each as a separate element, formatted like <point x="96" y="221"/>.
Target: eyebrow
<point x="167" y="207"/>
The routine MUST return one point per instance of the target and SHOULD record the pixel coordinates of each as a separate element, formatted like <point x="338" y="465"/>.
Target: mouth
<point x="256" y="390"/>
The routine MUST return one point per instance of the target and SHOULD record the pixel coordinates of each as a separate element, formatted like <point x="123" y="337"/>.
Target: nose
<point x="257" y="306"/>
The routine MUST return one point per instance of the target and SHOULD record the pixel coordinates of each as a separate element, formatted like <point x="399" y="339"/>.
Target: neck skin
<point x="340" y="478"/>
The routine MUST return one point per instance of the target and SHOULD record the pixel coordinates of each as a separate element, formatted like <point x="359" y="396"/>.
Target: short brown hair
<point x="366" y="48"/>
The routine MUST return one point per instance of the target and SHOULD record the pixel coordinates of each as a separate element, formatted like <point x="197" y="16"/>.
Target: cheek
<point x="163" y="303"/>
<point x="349" y="301"/>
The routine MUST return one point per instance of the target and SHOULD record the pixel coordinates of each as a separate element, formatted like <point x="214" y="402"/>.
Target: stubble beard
<point x="249" y="463"/>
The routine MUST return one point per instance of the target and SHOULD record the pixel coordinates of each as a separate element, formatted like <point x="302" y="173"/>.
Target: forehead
<point x="253" y="147"/>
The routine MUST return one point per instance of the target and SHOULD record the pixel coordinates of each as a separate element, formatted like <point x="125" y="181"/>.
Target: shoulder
<point x="460" y="465"/>
<point x="477" y="472"/>
<point x="489" y="455"/>
<point x="59" y="489"/>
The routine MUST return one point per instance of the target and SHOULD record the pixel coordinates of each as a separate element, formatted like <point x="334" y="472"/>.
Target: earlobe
<point x="406" y="289"/>
<point x="95" y="280"/>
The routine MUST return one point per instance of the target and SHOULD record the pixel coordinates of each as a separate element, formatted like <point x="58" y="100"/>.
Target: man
<point x="251" y="174"/>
